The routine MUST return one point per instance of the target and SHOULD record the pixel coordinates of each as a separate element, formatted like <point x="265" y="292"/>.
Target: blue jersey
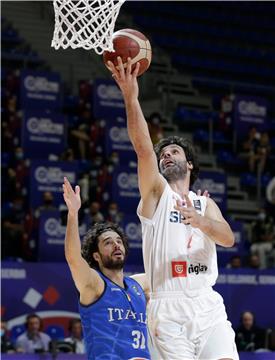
<point x="114" y="326"/>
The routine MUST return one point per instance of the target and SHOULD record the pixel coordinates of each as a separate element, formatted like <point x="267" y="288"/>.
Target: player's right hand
<point x="71" y="197"/>
<point x="125" y="78"/>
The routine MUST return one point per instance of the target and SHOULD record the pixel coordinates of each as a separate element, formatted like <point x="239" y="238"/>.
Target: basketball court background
<point x="212" y="77"/>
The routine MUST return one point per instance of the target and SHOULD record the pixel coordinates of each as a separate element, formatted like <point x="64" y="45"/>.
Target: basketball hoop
<point x="87" y="24"/>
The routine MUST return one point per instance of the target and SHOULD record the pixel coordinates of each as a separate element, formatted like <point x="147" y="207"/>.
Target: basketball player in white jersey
<point x="180" y="230"/>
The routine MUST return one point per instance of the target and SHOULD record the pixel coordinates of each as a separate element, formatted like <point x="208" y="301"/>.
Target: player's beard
<point x="113" y="264"/>
<point x="174" y="172"/>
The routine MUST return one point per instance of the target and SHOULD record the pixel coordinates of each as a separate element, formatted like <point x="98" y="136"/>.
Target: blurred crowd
<point x="20" y="222"/>
<point x="32" y="337"/>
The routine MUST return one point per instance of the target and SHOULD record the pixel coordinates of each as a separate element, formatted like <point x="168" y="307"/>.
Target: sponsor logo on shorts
<point x="180" y="269"/>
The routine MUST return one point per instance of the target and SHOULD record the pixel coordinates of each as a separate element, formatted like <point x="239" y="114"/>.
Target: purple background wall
<point x="48" y="288"/>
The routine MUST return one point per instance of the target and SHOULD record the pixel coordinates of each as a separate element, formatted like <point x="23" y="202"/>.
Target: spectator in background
<point x="114" y="159"/>
<point x="250" y="147"/>
<point x="68" y="155"/>
<point x="155" y="128"/>
<point x="13" y="228"/>
<point x="48" y="204"/>
<point x="84" y="183"/>
<point x="33" y="340"/>
<point x="13" y="129"/>
<point x="263" y="150"/>
<point x="6" y="344"/>
<point x="235" y="262"/>
<point x="263" y="237"/>
<point x="94" y="215"/>
<point x="254" y="262"/>
<point x="249" y="337"/>
<point x="113" y="213"/>
<point x="7" y="138"/>
<point x="76" y="336"/>
<point x="225" y="123"/>
<point x="21" y="167"/>
<point x="80" y="135"/>
<point x="18" y="155"/>
<point x="10" y="184"/>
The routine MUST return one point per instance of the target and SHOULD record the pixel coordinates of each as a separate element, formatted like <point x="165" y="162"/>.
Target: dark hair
<point x="72" y="322"/>
<point x="188" y="150"/>
<point x="247" y="311"/>
<point x="34" y="316"/>
<point x="90" y="241"/>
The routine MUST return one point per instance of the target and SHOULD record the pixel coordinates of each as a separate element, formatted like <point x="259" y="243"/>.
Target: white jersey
<point x="177" y="257"/>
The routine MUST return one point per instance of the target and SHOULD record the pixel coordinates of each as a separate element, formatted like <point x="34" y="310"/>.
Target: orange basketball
<point x="130" y="43"/>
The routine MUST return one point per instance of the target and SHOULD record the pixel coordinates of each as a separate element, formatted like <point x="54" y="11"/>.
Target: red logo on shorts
<point x="179" y="269"/>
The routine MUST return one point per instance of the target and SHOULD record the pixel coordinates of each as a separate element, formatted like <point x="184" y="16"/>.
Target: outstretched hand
<point x="125" y="77"/>
<point x="189" y="213"/>
<point x="205" y="193"/>
<point x="71" y="197"/>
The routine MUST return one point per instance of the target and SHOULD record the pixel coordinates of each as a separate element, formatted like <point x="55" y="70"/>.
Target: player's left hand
<point x="187" y="210"/>
<point x="71" y="197"/>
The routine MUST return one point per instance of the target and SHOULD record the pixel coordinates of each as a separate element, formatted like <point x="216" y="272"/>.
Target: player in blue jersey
<point x="112" y="306"/>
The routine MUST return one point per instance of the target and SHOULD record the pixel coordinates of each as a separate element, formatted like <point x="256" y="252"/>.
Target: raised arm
<point x="87" y="281"/>
<point x="151" y="183"/>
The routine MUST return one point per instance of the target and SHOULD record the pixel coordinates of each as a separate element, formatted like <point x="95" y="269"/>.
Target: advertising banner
<point x="40" y="90"/>
<point x="49" y="176"/>
<point x="107" y="99"/>
<point x="52" y="235"/>
<point x="215" y="183"/>
<point x="247" y="289"/>
<point x="225" y="254"/>
<point x="125" y="189"/>
<point x="43" y="133"/>
<point x="48" y="289"/>
<point x="117" y="140"/>
<point x="250" y="111"/>
<point x="132" y="228"/>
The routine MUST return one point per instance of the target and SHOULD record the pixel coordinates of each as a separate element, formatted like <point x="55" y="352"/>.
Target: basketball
<point x="130" y="43"/>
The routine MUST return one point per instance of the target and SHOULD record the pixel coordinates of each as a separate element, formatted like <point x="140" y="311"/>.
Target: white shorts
<point x="185" y="328"/>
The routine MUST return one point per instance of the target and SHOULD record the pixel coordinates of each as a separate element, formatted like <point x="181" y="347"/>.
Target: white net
<point x="85" y="24"/>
